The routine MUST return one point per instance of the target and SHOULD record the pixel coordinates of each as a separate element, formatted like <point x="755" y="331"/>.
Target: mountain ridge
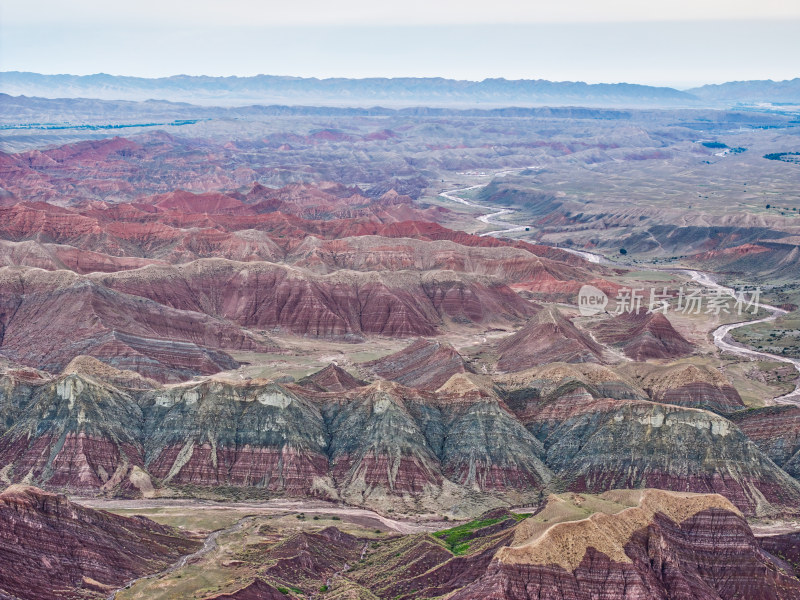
<point x="401" y="91"/>
<point x="392" y="91"/>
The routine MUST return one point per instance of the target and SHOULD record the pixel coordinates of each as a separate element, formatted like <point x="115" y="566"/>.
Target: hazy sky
<point x="668" y="42"/>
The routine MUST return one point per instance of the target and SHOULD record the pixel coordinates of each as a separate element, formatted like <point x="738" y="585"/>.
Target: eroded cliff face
<point x="776" y="430"/>
<point x="213" y="434"/>
<point x="50" y="318"/>
<point x="76" y="433"/>
<point x="603" y="444"/>
<point x="383" y="444"/>
<point x="53" y="548"/>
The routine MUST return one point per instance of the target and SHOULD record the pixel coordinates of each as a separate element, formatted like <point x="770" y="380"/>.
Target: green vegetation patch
<point x="784" y="156"/>
<point x="455" y="538"/>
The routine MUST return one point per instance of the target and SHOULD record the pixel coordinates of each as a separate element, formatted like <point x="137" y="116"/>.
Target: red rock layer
<point x="74" y="433"/>
<point x="785" y="546"/>
<point x="710" y="556"/>
<point x="276" y="298"/>
<point x="331" y="379"/>
<point x="257" y="590"/>
<point x="396" y="474"/>
<point x="50" y="318"/>
<point x="605" y="444"/>
<point x="82" y="462"/>
<point x="52" y="548"/>
<point x="276" y="469"/>
<point x="723" y="399"/>
<point x="687" y="385"/>
<point x="643" y="336"/>
<point x="306" y="558"/>
<point x="419" y="566"/>
<point x="261" y="225"/>
<point x="547" y="337"/>
<point x="776" y="430"/>
<point x="425" y="364"/>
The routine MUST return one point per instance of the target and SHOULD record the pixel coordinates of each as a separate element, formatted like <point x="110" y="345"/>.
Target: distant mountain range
<point x="751" y="92"/>
<point x="394" y="92"/>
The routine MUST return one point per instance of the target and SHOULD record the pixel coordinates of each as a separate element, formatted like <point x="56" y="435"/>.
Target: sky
<point x="680" y="43"/>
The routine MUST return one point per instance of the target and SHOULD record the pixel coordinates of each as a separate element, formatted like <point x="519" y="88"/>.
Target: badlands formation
<point x="224" y="375"/>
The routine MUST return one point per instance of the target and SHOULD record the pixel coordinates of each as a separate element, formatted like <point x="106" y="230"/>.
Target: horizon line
<point x="393" y="77"/>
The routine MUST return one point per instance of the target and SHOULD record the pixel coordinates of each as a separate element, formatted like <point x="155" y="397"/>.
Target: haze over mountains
<point x="394" y="92"/>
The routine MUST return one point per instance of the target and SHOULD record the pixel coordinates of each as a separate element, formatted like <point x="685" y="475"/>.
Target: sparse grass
<point x="238" y="558"/>
<point x="209" y="519"/>
<point x="781" y="336"/>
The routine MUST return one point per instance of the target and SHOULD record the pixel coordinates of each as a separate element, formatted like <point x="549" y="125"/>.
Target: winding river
<point x="722" y="337"/>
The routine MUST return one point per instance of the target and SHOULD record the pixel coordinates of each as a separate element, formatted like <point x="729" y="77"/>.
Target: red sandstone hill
<point x="52" y="548"/>
<point x="49" y="318"/>
<point x="331" y="379"/>
<point x="686" y="385"/>
<point x="643" y="335"/>
<point x="181" y="226"/>
<point x="377" y="253"/>
<point x="425" y="364"/>
<point x="776" y="430"/>
<point x="342" y="304"/>
<point x="174" y="322"/>
<point x="547" y="337"/>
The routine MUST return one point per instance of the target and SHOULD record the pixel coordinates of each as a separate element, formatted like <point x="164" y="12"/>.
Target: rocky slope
<point x="76" y="433"/>
<point x="620" y="545"/>
<point x="665" y="546"/>
<point x="776" y="430"/>
<point x="425" y="364"/>
<point x="49" y="318"/>
<point x="600" y="444"/>
<point x="685" y="384"/>
<point x="258" y="589"/>
<point x="53" y="548"/>
<point x="257" y="435"/>
<point x="267" y="296"/>
<point x="170" y="323"/>
<point x="384" y="444"/>
<point x="107" y="237"/>
<point x="332" y="378"/>
<point x="547" y="337"/>
<point x="643" y="336"/>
